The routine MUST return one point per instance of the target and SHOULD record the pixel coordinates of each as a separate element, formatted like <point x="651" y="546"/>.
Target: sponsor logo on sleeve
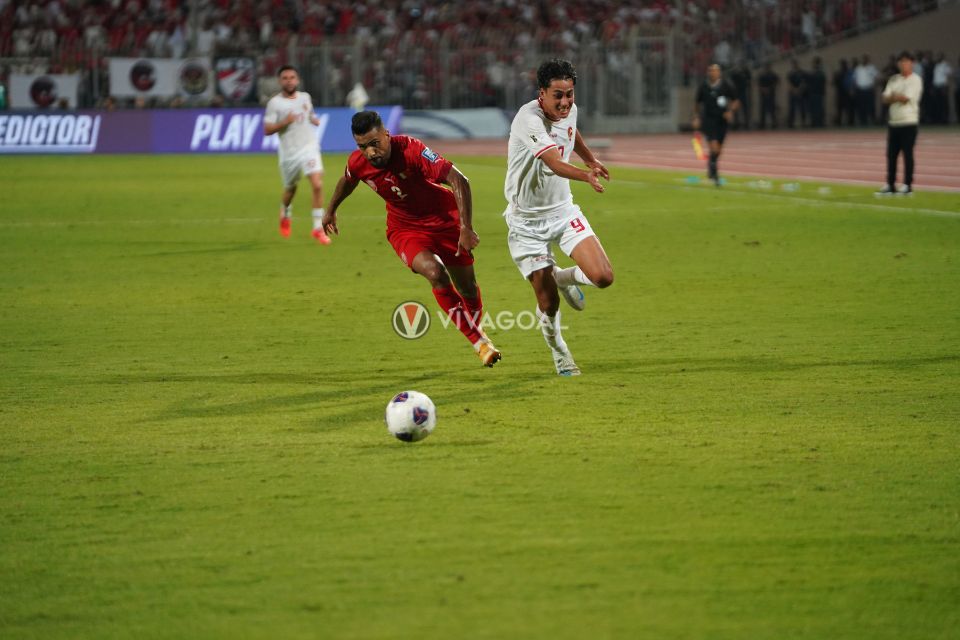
<point x="432" y="156"/>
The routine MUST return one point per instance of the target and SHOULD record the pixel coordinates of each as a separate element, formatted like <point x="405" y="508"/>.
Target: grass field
<point x="765" y="442"/>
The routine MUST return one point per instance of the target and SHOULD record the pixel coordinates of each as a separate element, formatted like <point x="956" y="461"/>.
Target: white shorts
<point x="529" y="238"/>
<point x="292" y="169"/>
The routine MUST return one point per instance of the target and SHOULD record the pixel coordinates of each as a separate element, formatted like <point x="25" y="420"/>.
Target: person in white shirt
<point x="941" y="90"/>
<point x="540" y="208"/>
<point x="902" y="93"/>
<point x="864" y="80"/>
<point x="290" y="115"/>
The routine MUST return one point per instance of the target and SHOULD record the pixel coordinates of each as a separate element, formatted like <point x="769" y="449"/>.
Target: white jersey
<point x="531" y="188"/>
<point x="905" y="113"/>
<point x="300" y="137"/>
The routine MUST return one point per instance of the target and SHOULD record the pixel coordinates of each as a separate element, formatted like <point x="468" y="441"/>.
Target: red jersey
<point x="410" y="185"/>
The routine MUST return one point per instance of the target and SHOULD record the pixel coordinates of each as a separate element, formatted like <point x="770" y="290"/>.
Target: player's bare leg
<point x="286" y="211"/>
<point x="548" y="316"/>
<point x="430" y="267"/>
<point x="316" y="185"/>
<point x="593" y="267"/>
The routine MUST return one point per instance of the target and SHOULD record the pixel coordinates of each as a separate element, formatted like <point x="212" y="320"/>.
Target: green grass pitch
<point x="765" y="442"/>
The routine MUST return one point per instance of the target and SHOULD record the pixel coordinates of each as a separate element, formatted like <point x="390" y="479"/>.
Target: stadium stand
<point x="402" y="39"/>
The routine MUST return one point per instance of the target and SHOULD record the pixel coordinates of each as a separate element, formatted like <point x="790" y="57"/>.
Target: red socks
<point x="460" y="311"/>
<point x="474" y="307"/>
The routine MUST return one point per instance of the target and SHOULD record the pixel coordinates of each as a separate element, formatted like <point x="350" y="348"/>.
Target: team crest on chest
<point x="570" y="133"/>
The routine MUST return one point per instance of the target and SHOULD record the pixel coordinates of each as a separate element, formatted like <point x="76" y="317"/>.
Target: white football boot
<point x="563" y="361"/>
<point x="572" y="294"/>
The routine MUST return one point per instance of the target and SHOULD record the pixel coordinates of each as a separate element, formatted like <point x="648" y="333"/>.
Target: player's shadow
<point x="337" y="406"/>
<point x="758" y="364"/>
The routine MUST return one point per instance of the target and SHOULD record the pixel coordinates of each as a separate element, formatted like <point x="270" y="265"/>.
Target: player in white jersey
<point x="290" y="114"/>
<point x="540" y="208"/>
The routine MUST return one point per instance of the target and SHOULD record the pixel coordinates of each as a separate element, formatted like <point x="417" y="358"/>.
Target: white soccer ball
<point x="411" y="416"/>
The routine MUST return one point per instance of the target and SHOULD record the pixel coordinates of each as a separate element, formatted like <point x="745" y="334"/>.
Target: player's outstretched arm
<point x="460" y="187"/>
<point x="340" y="193"/>
<point x="556" y="163"/>
<point x="582" y="150"/>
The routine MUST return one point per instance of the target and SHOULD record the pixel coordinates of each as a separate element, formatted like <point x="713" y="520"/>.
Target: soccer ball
<point x="410" y="416"/>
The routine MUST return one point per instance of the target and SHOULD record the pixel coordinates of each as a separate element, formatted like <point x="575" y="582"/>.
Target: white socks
<point x="550" y="327"/>
<point x="571" y="276"/>
<point x="317" y="214"/>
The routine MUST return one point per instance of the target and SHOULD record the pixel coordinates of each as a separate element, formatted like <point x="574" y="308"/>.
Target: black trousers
<point x="817" y="115"/>
<point x="796" y="105"/>
<point x="866" y="107"/>
<point x="768" y="107"/>
<point x="900" y="140"/>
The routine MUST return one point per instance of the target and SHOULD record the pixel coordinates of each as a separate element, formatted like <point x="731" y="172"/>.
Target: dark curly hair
<point x="556" y="69"/>
<point x="365" y="122"/>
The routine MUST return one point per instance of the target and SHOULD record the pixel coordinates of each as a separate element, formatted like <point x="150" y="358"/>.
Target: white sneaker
<point x="563" y="361"/>
<point x="572" y="294"/>
<point x="887" y="190"/>
<point x="904" y="190"/>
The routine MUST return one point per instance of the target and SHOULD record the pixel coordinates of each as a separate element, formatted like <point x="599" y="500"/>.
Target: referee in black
<point x="712" y="112"/>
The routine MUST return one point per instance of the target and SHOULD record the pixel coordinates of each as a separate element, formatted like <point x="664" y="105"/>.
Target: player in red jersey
<point x="430" y="227"/>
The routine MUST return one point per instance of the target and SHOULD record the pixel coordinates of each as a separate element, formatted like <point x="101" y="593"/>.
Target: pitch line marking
<point x="167" y="222"/>
<point x="866" y="205"/>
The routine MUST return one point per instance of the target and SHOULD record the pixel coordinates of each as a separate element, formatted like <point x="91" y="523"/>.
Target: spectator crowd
<point x="399" y="37"/>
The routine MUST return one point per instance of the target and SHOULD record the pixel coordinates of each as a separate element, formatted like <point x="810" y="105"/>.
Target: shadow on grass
<point x="339" y="405"/>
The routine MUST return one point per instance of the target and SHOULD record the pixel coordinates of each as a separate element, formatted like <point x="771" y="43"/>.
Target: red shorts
<point x="442" y="242"/>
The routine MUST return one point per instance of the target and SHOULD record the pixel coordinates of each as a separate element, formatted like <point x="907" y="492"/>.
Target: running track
<point x="843" y="156"/>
